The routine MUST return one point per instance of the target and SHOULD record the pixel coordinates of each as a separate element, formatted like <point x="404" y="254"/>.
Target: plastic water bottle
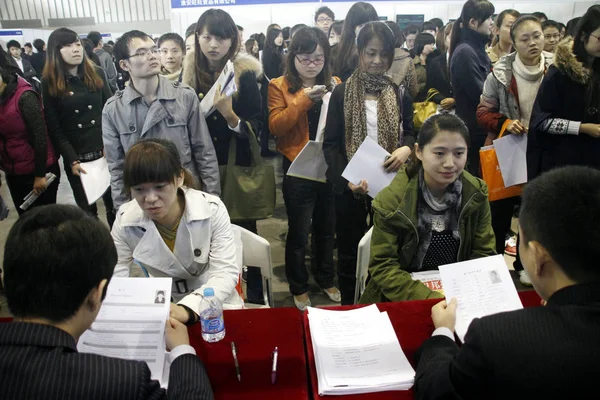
<point x="211" y="317"/>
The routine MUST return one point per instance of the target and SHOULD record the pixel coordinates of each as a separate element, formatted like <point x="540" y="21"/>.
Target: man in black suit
<point x="549" y="352"/>
<point x="38" y="60"/>
<point x="57" y="264"/>
<point x="16" y="60"/>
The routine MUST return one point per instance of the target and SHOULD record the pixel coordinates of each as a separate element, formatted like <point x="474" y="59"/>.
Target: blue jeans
<point x="309" y="203"/>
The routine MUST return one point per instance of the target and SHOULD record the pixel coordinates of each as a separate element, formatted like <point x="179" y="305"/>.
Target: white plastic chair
<point x="257" y="253"/>
<point x="362" y="264"/>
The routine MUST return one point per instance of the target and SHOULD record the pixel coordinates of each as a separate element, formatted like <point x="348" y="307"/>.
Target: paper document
<point x="310" y="162"/>
<point x="96" y="180"/>
<point x="131" y="323"/>
<point x="227" y="83"/>
<point x="357" y="351"/>
<point x="431" y="279"/>
<point x="482" y="287"/>
<point x="32" y="197"/>
<point x="511" y="151"/>
<point x="367" y="164"/>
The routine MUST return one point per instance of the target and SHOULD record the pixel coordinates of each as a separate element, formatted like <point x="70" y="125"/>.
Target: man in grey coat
<point x="106" y="60"/>
<point x="153" y="107"/>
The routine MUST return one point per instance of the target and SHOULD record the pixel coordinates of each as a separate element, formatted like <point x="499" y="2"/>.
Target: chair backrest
<point x="256" y="252"/>
<point x="362" y="264"/>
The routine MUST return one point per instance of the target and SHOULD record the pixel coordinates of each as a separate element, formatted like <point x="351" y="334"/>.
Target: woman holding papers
<point x="433" y="213"/>
<point x="26" y="153"/>
<point x="74" y="93"/>
<point x="235" y="116"/>
<point x="368" y="104"/>
<point x="506" y="105"/>
<point x="172" y="230"/>
<point x="295" y="107"/>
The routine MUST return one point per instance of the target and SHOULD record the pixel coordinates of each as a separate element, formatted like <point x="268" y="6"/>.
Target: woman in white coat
<point x="172" y="230"/>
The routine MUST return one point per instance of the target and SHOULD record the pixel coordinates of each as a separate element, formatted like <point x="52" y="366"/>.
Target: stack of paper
<point x="482" y="287"/>
<point x="226" y="81"/>
<point x="431" y="279"/>
<point x="357" y="352"/>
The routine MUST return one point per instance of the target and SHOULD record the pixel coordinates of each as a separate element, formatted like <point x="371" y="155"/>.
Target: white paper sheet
<point x="357" y="351"/>
<point x="227" y="82"/>
<point x="431" y="279"/>
<point x="482" y="287"/>
<point x="511" y="151"/>
<point x="367" y="164"/>
<point x="310" y="162"/>
<point x="131" y="323"/>
<point x="96" y="180"/>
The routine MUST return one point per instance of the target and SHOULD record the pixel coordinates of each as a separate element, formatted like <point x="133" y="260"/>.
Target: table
<point x="256" y="333"/>
<point x="412" y="322"/>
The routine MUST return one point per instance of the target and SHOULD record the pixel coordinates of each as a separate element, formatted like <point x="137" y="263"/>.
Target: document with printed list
<point x="131" y="323"/>
<point x="357" y="351"/>
<point x="482" y="287"/>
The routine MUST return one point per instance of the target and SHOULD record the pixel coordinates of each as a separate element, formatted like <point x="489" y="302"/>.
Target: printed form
<point x="131" y="322"/>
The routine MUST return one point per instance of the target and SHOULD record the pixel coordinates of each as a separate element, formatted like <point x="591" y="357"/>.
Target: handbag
<point x="248" y="192"/>
<point x="424" y="109"/>
<point x="490" y="170"/>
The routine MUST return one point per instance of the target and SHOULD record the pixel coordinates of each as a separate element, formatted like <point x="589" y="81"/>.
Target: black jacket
<point x="564" y="94"/>
<point x="469" y="68"/>
<point x="272" y="62"/>
<point x="545" y="353"/>
<point x="38" y="61"/>
<point x="28" y="70"/>
<point x="41" y="362"/>
<point x="334" y="140"/>
<point x="75" y="121"/>
<point x="437" y="78"/>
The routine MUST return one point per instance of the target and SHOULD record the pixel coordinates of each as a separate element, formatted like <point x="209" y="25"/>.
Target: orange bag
<point x="490" y="170"/>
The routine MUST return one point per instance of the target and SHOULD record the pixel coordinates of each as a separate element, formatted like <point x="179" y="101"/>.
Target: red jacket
<point x="16" y="151"/>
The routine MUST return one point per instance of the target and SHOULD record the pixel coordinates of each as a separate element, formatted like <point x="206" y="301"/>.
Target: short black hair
<point x="551" y="24"/>
<point x="296" y="28"/>
<point x="95" y="37"/>
<point x="39" y="45"/>
<point x="121" y="49"/>
<point x="439" y="24"/>
<point x="565" y="201"/>
<point x="13" y="43"/>
<point x="190" y="30"/>
<point x="239" y="28"/>
<point x="398" y="35"/>
<point x="324" y="10"/>
<point x="173" y="37"/>
<point x="380" y="30"/>
<point x="286" y="33"/>
<point x="28" y="44"/>
<point x="520" y="21"/>
<point x="428" y="26"/>
<point x="54" y="256"/>
<point x="422" y="40"/>
<point x="540" y="15"/>
<point x="412" y="30"/>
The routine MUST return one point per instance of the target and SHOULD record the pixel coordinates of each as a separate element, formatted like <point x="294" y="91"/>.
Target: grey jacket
<point x="107" y="64"/>
<point x="174" y="115"/>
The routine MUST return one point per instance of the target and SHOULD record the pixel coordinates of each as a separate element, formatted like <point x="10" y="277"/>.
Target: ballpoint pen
<point x="274" y="367"/>
<point x="235" y="360"/>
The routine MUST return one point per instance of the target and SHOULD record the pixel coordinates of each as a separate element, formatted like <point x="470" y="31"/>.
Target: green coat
<point x="395" y="239"/>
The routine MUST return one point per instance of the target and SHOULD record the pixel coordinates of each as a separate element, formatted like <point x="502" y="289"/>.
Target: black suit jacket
<point x="38" y="62"/>
<point x="549" y="352"/>
<point x="41" y="362"/>
<point x="28" y="71"/>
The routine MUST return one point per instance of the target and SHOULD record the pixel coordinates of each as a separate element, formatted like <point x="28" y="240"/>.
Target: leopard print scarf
<point x="389" y="133"/>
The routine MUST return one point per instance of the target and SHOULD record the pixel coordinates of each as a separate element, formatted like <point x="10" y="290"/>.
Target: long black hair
<point x="479" y="10"/>
<point x="9" y="74"/>
<point x="305" y="41"/>
<point x="345" y="57"/>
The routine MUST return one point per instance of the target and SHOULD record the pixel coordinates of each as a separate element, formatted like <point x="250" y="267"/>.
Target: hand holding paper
<point x="443" y="314"/>
<point x="226" y="83"/>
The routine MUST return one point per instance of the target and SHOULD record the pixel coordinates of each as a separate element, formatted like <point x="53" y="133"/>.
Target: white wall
<point x="256" y="18"/>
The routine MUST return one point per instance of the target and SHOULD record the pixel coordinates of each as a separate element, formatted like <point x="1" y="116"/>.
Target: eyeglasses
<point x="324" y="20"/>
<point x="307" y="62"/>
<point x="145" y="53"/>
<point x="555" y="36"/>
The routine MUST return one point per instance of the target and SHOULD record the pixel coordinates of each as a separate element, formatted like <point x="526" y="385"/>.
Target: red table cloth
<point x="256" y="333"/>
<point x="412" y="322"/>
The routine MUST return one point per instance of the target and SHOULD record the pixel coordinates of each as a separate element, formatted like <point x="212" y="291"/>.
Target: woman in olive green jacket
<point x="433" y="213"/>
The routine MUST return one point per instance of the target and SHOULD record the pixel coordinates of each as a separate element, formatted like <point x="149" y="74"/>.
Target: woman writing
<point x="171" y="230"/>
<point x="433" y="213"/>
<point x="367" y="104"/>
<point x="26" y="152"/>
<point x="294" y="111"/>
<point x="74" y="92"/>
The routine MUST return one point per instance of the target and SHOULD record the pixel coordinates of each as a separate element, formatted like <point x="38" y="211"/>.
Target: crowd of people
<point x="137" y="103"/>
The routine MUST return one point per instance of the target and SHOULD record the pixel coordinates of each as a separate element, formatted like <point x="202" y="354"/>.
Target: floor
<point x="274" y="230"/>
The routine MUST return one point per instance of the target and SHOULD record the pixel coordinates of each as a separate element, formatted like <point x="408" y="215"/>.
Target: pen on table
<point x="274" y="367"/>
<point x="235" y="361"/>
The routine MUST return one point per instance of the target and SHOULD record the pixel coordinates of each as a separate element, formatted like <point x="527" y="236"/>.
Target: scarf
<point x="529" y="79"/>
<point x="389" y="128"/>
<point x="438" y="215"/>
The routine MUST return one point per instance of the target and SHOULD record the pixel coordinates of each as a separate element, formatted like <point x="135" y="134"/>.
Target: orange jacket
<point x="287" y="117"/>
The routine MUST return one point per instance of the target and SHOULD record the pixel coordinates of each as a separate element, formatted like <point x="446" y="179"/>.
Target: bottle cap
<point x="209" y="292"/>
